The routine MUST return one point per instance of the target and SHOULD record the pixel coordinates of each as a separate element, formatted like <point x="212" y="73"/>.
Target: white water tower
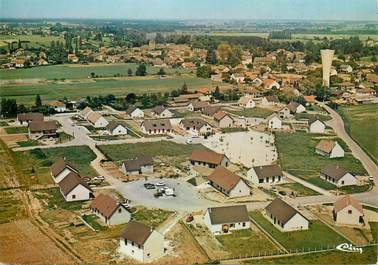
<point x="327" y="57"/>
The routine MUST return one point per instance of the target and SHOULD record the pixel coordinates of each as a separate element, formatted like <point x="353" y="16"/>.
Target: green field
<point x="361" y="122"/>
<point x="75" y="90"/>
<point x="35" y="40"/>
<point x="35" y="164"/>
<point x="162" y="148"/>
<point x="296" y="152"/>
<point x="246" y="243"/>
<point x="317" y="236"/>
<point x="78" y="71"/>
<point x="299" y="190"/>
<point x="368" y="256"/>
<point x="55" y="200"/>
<point x="150" y="217"/>
<point x="16" y="130"/>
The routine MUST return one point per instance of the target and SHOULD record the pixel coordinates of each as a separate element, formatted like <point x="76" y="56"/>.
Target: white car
<point x="99" y="178"/>
<point x="160" y="184"/>
<point x="189" y="141"/>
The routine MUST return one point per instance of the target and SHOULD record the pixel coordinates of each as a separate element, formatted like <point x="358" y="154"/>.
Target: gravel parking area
<point x="187" y="198"/>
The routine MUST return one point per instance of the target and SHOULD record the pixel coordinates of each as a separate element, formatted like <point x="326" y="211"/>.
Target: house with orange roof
<point x="347" y="211"/>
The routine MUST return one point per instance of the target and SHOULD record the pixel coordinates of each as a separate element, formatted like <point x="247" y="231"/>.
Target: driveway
<point x="187" y="198"/>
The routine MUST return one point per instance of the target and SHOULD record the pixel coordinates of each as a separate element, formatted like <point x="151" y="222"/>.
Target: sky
<point x="192" y="9"/>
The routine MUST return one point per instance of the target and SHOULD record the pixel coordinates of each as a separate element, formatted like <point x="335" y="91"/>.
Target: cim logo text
<point x="349" y="248"/>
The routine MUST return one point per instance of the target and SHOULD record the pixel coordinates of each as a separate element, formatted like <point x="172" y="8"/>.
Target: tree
<point x="211" y="57"/>
<point x="204" y="71"/>
<point x="224" y="51"/>
<point x="8" y="107"/>
<point x="93" y="75"/>
<point x="129" y="72"/>
<point x="216" y="93"/>
<point x="184" y="89"/>
<point x="131" y="98"/>
<point x="141" y="70"/>
<point x="161" y="71"/>
<point x="38" y="101"/>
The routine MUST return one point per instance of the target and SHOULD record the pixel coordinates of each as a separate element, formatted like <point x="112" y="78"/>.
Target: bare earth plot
<point x="22" y="242"/>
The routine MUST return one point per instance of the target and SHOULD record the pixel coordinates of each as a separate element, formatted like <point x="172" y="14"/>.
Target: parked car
<point x="160" y="184"/>
<point x="158" y="194"/>
<point x="189" y="141"/>
<point x="99" y="178"/>
<point x="149" y="186"/>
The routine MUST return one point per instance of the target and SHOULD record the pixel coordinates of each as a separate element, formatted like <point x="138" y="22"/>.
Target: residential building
<point x="73" y="188"/>
<point x="285" y="217"/>
<point x="225" y="219"/>
<point x="284" y="113"/>
<point x="337" y="176"/>
<point x="274" y="122"/>
<point x="265" y="174"/>
<point x="296" y="107"/>
<point x="39" y="129"/>
<point x="270" y="84"/>
<point x="57" y="106"/>
<point x="161" y="112"/>
<point x="85" y="112"/>
<point x="141" y="242"/>
<point x="196" y="126"/>
<point x="135" y="112"/>
<point x="117" y="127"/>
<point x="246" y="102"/>
<point x="197" y="105"/>
<point x="109" y="210"/>
<point x="60" y="169"/>
<point x="270" y="101"/>
<point x="140" y="165"/>
<point x="316" y="125"/>
<point x="208" y="159"/>
<point x="329" y="148"/>
<point x="25" y="118"/>
<point x="153" y="127"/>
<point x="228" y="183"/>
<point x="348" y="211"/>
<point x="97" y="120"/>
<point x="223" y="120"/>
<point x="210" y="110"/>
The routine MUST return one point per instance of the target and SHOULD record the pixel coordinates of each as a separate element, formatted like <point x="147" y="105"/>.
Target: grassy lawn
<point x="355" y="188"/>
<point x="306" y="116"/>
<point x="254" y="112"/>
<point x="55" y="200"/>
<point x="150" y="217"/>
<point x="64" y="137"/>
<point x="374" y="230"/>
<point x="246" y="242"/>
<point x="16" y="130"/>
<point x="162" y="148"/>
<point x="361" y="122"/>
<point x="317" y="181"/>
<point x="368" y="256"/>
<point x="93" y="221"/>
<point x="297" y="156"/>
<point x="235" y="129"/>
<point x="299" y="189"/>
<point x="35" y="40"/>
<point x="317" y="236"/>
<point x="29" y="143"/>
<point x="35" y="164"/>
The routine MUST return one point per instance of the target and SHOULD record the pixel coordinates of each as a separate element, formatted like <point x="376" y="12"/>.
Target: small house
<point x="57" y="106"/>
<point x="97" y="120"/>
<point x="316" y="125"/>
<point x="117" y="128"/>
<point x="208" y="159"/>
<point x="348" y="211"/>
<point x="274" y="122"/>
<point x="140" y="165"/>
<point x="296" y="107"/>
<point x="73" y="188"/>
<point x="135" y="112"/>
<point x="228" y="183"/>
<point x="141" y="242"/>
<point x="246" y="102"/>
<point x="197" y="105"/>
<point x="265" y="174"/>
<point x="109" y="210"/>
<point x="223" y="120"/>
<point x="25" y="118"/>
<point x="337" y="176"/>
<point x="270" y="101"/>
<point x="270" y="84"/>
<point x="161" y="112"/>
<point x="225" y="219"/>
<point x="210" y="110"/>
<point x="329" y="148"/>
<point x="285" y="217"/>
<point x="196" y="126"/>
<point x="153" y="127"/>
<point x="284" y="113"/>
<point x="40" y="129"/>
<point x="60" y="169"/>
<point x="85" y="112"/>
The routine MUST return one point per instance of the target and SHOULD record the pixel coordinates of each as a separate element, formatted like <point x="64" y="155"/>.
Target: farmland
<point x="363" y="132"/>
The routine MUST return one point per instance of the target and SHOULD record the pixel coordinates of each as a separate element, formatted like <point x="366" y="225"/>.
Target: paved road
<point x="337" y="124"/>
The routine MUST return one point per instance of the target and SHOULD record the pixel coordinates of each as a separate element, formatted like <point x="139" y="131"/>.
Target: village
<point x="262" y="163"/>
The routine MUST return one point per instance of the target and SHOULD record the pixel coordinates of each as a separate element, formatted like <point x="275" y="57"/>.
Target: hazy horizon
<point x="319" y="10"/>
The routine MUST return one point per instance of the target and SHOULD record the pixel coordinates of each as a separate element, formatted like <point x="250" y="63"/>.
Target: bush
<point x="38" y="153"/>
<point x="46" y="163"/>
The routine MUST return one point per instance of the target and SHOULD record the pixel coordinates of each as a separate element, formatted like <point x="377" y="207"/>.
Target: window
<point x="349" y="211"/>
<point x="119" y="210"/>
<point x="261" y="181"/>
<point x="243" y="224"/>
<point x="73" y="196"/>
<point x="125" y="242"/>
<point x="148" y="254"/>
<point x="132" y="243"/>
